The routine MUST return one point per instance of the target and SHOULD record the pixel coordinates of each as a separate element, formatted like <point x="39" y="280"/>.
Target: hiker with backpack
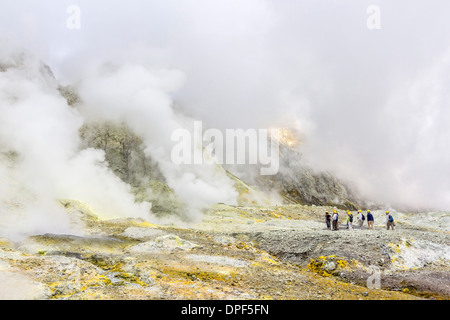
<point x="361" y="219"/>
<point x="389" y="221"/>
<point x="370" y="220"/>
<point x="349" y="220"/>
<point x="328" y="220"/>
<point x="335" y="219"/>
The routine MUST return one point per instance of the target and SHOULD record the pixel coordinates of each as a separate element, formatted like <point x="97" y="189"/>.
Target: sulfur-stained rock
<point x="161" y="244"/>
<point x="141" y="233"/>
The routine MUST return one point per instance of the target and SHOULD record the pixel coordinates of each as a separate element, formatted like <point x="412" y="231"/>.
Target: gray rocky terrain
<point x="282" y="252"/>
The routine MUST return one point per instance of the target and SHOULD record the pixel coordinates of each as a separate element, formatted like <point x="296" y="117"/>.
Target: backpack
<point x="351" y="218"/>
<point x="364" y="218"/>
<point x="391" y="219"/>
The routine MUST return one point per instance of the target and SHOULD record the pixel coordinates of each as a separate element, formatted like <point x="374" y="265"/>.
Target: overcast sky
<point x="373" y="104"/>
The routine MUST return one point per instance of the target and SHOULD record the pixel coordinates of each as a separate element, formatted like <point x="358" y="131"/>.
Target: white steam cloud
<point x="140" y="97"/>
<point x="41" y="161"/>
<point x="41" y="144"/>
<point x="372" y="104"/>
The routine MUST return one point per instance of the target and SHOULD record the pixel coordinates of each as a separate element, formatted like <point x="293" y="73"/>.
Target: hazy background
<point x="373" y="105"/>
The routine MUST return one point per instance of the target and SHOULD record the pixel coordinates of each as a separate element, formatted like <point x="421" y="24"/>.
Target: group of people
<point x="332" y="220"/>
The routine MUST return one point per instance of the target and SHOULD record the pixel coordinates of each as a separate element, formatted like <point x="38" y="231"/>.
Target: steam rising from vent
<point x="40" y="157"/>
<point x="140" y="98"/>
<point x="40" y="141"/>
<point x="288" y="137"/>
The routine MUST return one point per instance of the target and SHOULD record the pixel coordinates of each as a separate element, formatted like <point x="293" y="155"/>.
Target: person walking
<point x="335" y="219"/>
<point x="349" y="220"/>
<point x="328" y="220"/>
<point x="370" y="220"/>
<point x="361" y="219"/>
<point x="389" y="221"/>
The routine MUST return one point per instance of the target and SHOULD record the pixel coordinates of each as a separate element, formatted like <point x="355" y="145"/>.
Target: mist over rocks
<point x="97" y="145"/>
<point x="370" y="102"/>
<point x="59" y="154"/>
<point x="298" y="182"/>
<point x="41" y="156"/>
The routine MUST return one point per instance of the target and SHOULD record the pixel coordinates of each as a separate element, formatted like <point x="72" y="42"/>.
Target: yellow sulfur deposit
<point x="327" y="265"/>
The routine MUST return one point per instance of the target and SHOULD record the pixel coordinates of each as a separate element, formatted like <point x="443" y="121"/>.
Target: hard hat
<point x="368" y="210"/>
<point x="387" y="211"/>
<point x="359" y="210"/>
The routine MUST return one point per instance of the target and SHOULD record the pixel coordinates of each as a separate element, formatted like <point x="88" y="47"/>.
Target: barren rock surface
<point x="281" y="252"/>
